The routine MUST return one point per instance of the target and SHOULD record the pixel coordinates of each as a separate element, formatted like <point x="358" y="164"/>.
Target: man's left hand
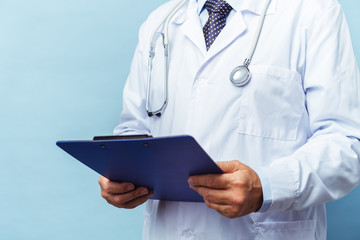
<point x="233" y="194"/>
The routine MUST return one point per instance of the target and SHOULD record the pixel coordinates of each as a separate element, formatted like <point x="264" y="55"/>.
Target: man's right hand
<point x="123" y="195"/>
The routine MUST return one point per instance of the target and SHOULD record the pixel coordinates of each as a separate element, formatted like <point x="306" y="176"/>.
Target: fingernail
<point x="190" y="181"/>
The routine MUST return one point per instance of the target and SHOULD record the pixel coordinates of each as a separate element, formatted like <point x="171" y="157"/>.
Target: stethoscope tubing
<point x="239" y="77"/>
<point x="165" y="36"/>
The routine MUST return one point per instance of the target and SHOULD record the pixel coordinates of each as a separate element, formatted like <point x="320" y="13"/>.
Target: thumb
<point x="230" y="166"/>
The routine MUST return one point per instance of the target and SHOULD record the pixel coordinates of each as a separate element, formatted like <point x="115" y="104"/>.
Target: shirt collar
<point x="243" y="5"/>
<point x="235" y="4"/>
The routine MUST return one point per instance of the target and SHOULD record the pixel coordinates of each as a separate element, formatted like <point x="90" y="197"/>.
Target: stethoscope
<point x="239" y="77"/>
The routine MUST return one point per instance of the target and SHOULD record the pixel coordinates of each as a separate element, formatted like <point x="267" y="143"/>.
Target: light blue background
<point x="63" y="64"/>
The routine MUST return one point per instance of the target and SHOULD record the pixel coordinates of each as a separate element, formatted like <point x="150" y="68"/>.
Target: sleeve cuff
<point x="266" y="188"/>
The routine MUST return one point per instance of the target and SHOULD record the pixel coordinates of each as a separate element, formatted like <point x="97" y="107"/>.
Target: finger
<point x="138" y="201"/>
<point x="123" y="198"/>
<point x="224" y="210"/>
<point x="215" y="206"/>
<point x="133" y="203"/>
<point x="216" y="181"/>
<point x="115" y="187"/>
<point x="221" y="197"/>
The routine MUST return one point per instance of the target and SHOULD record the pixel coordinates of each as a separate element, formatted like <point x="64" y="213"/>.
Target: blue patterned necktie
<point x="218" y="11"/>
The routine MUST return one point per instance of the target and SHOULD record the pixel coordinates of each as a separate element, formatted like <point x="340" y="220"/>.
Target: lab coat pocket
<point x="295" y="230"/>
<point x="273" y="103"/>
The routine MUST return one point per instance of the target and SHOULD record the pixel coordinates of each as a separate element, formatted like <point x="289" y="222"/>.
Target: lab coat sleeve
<point x="327" y="167"/>
<point x="133" y="119"/>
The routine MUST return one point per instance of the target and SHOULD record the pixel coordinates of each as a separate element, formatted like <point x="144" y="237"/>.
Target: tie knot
<point x="218" y="6"/>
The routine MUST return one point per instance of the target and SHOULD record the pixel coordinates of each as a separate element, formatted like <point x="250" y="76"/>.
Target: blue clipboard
<point x="162" y="164"/>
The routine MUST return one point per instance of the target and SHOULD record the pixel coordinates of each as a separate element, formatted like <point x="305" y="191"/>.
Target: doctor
<point x="287" y="140"/>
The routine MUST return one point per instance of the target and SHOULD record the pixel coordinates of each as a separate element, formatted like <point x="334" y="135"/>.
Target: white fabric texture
<point x="297" y="122"/>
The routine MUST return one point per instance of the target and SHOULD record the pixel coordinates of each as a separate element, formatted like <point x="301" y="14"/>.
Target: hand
<point x="123" y="195"/>
<point x="235" y="193"/>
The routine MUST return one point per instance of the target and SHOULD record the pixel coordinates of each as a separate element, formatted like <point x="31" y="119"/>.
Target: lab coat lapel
<point x="192" y="29"/>
<point x="237" y="26"/>
<point x="233" y="29"/>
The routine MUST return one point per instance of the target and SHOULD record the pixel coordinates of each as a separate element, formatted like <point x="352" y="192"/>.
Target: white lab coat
<point x="296" y="123"/>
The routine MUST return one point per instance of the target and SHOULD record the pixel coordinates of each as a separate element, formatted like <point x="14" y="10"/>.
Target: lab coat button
<point x="186" y="234"/>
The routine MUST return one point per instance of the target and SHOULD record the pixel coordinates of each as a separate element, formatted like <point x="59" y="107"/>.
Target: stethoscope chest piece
<point x="240" y="76"/>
